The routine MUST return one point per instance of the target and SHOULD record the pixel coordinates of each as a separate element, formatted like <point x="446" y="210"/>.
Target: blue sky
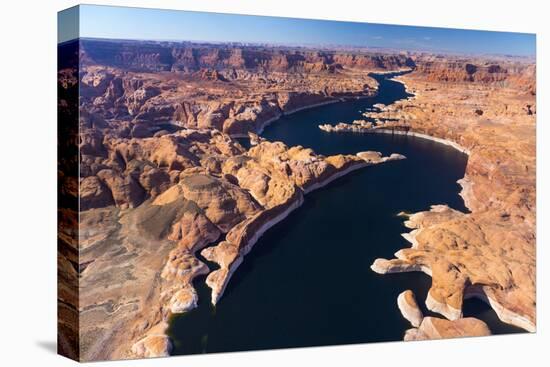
<point x="156" y="24"/>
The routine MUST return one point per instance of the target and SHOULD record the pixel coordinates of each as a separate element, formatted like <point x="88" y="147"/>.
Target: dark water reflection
<point x="308" y="282"/>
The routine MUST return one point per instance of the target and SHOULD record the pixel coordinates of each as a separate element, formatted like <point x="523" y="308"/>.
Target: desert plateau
<point x="240" y="196"/>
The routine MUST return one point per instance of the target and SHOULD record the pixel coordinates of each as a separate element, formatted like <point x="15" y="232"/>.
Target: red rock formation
<point x="166" y="56"/>
<point x="490" y="252"/>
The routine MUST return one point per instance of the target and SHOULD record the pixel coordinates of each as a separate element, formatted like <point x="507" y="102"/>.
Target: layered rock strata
<point x="161" y="177"/>
<point x="430" y="328"/>
<point x="490" y="252"/>
<point x="154" y="191"/>
<point x="435" y="328"/>
<point x="292" y="172"/>
<point x="146" y="88"/>
<point x="406" y="302"/>
<point x="126" y="251"/>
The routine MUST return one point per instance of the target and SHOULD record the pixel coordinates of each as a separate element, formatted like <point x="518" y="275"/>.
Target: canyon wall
<point x="487" y="109"/>
<point x="188" y="57"/>
<point x="161" y="176"/>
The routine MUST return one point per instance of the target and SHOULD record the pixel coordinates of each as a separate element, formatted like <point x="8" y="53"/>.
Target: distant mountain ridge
<point x="187" y="56"/>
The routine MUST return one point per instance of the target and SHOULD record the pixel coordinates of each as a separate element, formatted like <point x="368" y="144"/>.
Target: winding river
<point x="308" y="282"/>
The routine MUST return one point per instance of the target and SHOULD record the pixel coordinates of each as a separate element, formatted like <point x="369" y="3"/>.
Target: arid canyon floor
<point x="162" y="178"/>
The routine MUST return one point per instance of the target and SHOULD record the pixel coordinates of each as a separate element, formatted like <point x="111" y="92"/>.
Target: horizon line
<point x="327" y="46"/>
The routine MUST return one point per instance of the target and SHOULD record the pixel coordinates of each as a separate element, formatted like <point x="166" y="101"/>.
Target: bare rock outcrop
<point x="138" y="90"/>
<point x="429" y="328"/>
<point x="435" y="328"/>
<point x="406" y="302"/>
<point x="162" y="178"/>
<point x="466" y="256"/>
<point x="184" y="300"/>
<point x="277" y="177"/>
<point x="490" y="252"/>
<point x="155" y="344"/>
<point x="207" y="59"/>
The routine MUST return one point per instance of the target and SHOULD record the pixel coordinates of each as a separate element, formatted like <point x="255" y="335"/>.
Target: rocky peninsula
<point x="161" y="177"/>
<point x="430" y="328"/>
<point x="488" y="111"/>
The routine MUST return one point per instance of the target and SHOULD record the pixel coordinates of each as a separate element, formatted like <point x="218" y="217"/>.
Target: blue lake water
<point x="307" y="281"/>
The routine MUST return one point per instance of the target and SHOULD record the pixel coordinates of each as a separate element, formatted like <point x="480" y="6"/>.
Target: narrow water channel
<point x="308" y="282"/>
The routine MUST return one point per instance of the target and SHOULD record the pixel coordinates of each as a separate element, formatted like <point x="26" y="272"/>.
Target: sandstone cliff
<point x="187" y="56"/>
<point x="489" y="112"/>
<point x="161" y="177"/>
<point x="138" y="257"/>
